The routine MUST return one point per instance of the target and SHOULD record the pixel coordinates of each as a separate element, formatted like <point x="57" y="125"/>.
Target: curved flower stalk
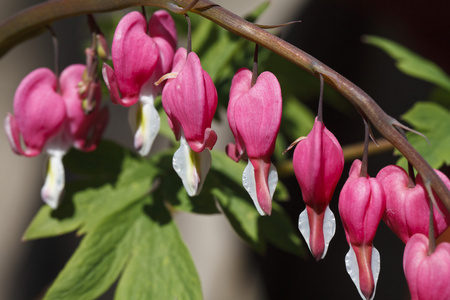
<point x="189" y="99"/>
<point x="407" y="208"/>
<point x="53" y="121"/>
<point x="318" y="163"/>
<point x="140" y="59"/>
<point x="361" y="206"/>
<point x="254" y="116"/>
<point x="427" y="274"/>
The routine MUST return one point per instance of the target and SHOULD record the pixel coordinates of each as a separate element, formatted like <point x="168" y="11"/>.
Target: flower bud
<point x="361" y="206"/>
<point x="140" y="58"/>
<point x="318" y="163"/>
<point x="189" y="99"/>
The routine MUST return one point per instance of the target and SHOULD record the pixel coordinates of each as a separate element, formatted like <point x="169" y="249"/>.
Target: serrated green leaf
<point x="83" y="207"/>
<point x="410" y="63"/>
<point x="432" y="120"/>
<point x="160" y="266"/>
<point x="99" y="259"/>
<point x="104" y="163"/>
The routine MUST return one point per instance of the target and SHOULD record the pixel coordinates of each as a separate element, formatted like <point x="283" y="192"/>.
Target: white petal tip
<point x="191" y="167"/>
<point x="329" y="228"/>
<point x="249" y="183"/>
<point x="351" y="265"/>
<point x="54" y="182"/>
<point x="148" y="128"/>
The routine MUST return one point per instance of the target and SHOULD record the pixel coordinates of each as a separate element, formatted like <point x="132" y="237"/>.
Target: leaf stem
<point x="365" y="158"/>
<point x="255" y="66"/>
<point x="320" y="108"/>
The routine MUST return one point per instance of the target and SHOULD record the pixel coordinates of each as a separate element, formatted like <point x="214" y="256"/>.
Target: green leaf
<point x="143" y="242"/>
<point x="441" y="97"/>
<point x="160" y="266"/>
<point x="82" y="209"/>
<point x="410" y="63"/>
<point x="99" y="259"/>
<point x="432" y="120"/>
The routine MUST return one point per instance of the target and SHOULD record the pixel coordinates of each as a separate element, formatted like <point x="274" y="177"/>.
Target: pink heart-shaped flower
<point x="427" y="274"/>
<point x="407" y="209"/>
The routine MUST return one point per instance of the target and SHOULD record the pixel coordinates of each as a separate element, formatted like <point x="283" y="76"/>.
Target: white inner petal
<point x="191" y="167"/>
<point x="249" y="183"/>
<point x="54" y="181"/>
<point x="351" y="265"/>
<point x="329" y="228"/>
<point x="149" y="123"/>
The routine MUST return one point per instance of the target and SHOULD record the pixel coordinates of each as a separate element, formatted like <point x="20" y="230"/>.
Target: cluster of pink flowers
<point x="318" y="163"/>
<point x="189" y="99"/>
<point x="49" y="117"/>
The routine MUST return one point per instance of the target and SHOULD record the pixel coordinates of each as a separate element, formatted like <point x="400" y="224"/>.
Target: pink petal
<point x="361" y="206"/>
<point x="39" y="110"/>
<point x="263" y="194"/>
<point x="13" y="134"/>
<point x="190" y="99"/>
<point x="85" y="129"/>
<point x="111" y="83"/>
<point x="427" y="275"/>
<point x="163" y="31"/>
<point x="407" y="209"/>
<point x="134" y="54"/>
<point x="318" y="163"/>
<point x="258" y="116"/>
<point x="366" y="280"/>
<point x="241" y="84"/>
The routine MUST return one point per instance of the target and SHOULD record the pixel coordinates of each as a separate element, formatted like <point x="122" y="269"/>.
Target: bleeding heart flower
<point x="407" y="208"/>
<point x="190" y="101"/>
<point x="427" y="274"/>
<point x="36" y="120"/>
<point x="361" y="206"/>
<point x="254" y="116"/>
<point x="318" y="163"/>
<point x="52" y="120"/>
<point x="141" y="54"/>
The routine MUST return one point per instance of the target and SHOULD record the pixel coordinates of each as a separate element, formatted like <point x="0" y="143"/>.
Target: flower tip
<point x="317" y="230"/>
<point x="53" y="187"/>
<point x="260" y="180"/>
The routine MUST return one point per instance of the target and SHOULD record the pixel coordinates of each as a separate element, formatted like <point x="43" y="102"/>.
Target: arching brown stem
<point x="34" y="19"/>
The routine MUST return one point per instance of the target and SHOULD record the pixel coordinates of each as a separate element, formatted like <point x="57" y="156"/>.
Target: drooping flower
<point x="141" y="54"/>
<point x="52" y="121"/>
<point x="427" y="274"/>
<point x="254" y="116"/>
<point x="189" y="99"/>
<point x="361" y="206"/>
<point x="318" y="163"/>
<point x="407" y="208"/>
